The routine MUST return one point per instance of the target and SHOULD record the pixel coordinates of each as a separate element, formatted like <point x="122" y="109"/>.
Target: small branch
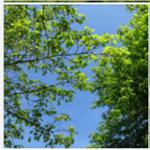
<point x="48" y="57"/>
<point x="37" y="89"/>
<point x="28" y="120"/>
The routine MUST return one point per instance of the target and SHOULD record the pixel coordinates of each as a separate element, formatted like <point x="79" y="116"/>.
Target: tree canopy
<point x="41" y="40"/>
<point x="121" y="82"/>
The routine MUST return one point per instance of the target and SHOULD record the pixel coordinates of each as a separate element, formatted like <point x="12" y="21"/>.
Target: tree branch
<point x="28" y="120"/>
<point x="37" y="89"/>
<point x="48" y="57"/>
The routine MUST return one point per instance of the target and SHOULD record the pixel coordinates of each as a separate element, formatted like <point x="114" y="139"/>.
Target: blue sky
<point x="104" y="19"/>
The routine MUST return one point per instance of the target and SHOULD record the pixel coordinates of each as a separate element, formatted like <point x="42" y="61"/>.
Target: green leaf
<point x="69" y="43"/>
<point x="63" y="117"/>
<point x="93" y="57"/>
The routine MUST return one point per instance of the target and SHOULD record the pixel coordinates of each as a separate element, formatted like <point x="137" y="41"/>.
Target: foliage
<point x="39" y="40"/>
<point x="121" y="82"/>
<point x="41" y="44"/>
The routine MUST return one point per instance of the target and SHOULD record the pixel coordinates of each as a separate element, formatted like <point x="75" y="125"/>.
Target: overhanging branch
<point x="12" y="112"/>
<point x="43" y="87"/>
<point x="48" y="57"/>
